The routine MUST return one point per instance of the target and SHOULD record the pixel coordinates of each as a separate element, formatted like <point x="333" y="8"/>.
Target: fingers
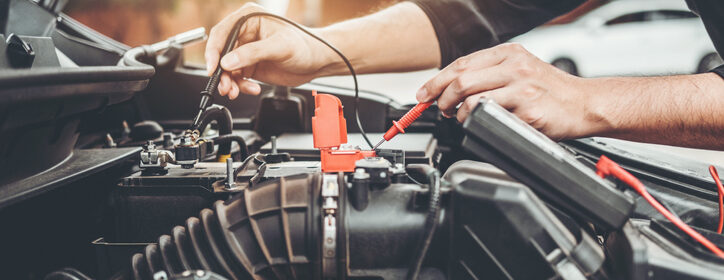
<point x="232" y="85"/>
<point x="224" y="84"/>
<point x="254" y="52"/>
<point x="468" y="106"/>
<point x="249" y="87"/>
<point x="502" y="96"/>
<point x="478" y="60"/>
<point x="499" y="73"/>
<point x="220" y="32"/>
<point x="234" y="91"/>
<point x="212" y="59"/>
<point x="469" y="83"/>
<point x="215" y="43"/>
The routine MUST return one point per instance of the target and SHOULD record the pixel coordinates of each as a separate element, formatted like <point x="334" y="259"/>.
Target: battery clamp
<point x="329" y="130"/>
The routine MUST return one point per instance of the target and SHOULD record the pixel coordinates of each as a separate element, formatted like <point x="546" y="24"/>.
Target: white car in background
<point x="627" y="37"/>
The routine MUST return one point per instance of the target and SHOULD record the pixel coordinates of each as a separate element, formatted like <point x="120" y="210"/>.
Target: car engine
<point x="102" y="178"/>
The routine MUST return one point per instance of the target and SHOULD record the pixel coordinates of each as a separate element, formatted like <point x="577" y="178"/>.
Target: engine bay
<point x="103" y="178"/>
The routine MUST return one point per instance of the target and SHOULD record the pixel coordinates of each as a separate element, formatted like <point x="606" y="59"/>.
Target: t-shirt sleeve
<point x="710" y="13"/>
<point x="719" y="71"/>
<point x="465" y="26"/>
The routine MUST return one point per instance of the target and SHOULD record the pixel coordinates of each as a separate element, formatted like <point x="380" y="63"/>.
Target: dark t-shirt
<point x="465" y="26"/>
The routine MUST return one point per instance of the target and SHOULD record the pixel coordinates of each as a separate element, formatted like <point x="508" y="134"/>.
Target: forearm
<point x="399" y="38"/>
<point x="677" y="110"/>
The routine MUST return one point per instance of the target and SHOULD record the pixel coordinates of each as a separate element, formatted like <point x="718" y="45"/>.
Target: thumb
<point x="254" y="52"/>
<point x="212" y="59"/>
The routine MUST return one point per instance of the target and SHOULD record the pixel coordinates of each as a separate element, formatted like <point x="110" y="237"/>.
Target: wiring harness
<point x="720" y="191"/>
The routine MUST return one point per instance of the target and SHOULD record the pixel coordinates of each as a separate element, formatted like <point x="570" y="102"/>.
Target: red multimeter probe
<point x="405" y="121"/>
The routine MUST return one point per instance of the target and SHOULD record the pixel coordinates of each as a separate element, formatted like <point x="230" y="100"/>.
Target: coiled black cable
<point x="213" y="82"/>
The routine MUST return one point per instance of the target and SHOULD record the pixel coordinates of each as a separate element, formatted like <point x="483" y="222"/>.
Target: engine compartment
<point x="103" y="180"/>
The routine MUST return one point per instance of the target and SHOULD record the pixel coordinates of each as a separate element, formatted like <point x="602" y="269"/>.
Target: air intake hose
<point x="270" y="231"/>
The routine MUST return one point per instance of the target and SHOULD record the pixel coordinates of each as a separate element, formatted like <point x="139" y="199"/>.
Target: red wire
<point x="606" y="167"/>
<point x="720" y="190"/>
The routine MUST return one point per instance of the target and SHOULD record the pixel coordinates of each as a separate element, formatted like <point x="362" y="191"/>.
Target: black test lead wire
<point x="213" y="83"/>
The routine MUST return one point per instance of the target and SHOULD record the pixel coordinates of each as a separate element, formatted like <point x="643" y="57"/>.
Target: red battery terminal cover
<point x="329" y="130"/>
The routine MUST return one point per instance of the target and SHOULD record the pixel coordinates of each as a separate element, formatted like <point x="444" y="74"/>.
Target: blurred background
<point x="600" y="38"/>
<point x="136" y="22"/>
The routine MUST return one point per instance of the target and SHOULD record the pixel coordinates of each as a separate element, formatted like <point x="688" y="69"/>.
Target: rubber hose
<point x="266" y="238"/>
<point x="139" y="56"/>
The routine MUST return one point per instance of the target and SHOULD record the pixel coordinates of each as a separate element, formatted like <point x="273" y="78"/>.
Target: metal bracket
<point x="155" y="158"/>
<point x="330" y="194"/>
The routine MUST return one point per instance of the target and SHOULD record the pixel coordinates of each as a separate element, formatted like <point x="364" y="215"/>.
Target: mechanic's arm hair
<point x="675" y="110"/>
<point x="399" y="38"/>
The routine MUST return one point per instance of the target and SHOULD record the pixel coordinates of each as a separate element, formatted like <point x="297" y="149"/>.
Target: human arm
<point x="399" y="38"/>
<point x="675" y="110"/>
<point x="680" y="110"/>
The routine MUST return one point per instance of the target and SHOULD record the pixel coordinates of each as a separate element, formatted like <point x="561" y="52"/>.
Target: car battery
<point x="144" y="206"/>
<point x="417" y="147"/>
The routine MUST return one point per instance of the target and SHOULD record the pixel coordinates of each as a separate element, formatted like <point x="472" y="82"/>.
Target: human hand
<point x="267" y="50"/>
<point x="550" y="100"/>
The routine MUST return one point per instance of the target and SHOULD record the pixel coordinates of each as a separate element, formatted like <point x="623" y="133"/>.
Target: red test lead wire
<point x="405" y="121"/>
<point x="606" y="167"/>
<point x="720" y="190"/>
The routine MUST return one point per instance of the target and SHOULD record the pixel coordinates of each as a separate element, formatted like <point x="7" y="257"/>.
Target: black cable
<point x="213" y="83"/>
<point x="413" y="179"/>
<point x="259" y="174"/>
<point x="243" y="165"/>
<point x="415" y="170"/>
<point x="222" y="116"/>
<point x="225" y="125"/>
<point x="430" y="222"/>
<point x="226" y="140"/>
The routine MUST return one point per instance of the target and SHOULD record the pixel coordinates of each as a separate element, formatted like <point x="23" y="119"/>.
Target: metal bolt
<point x="109" y="141"/>
<point x="360" y="174"/>
<point x="274" y="144"/>
<point x="230" y="181"/>
<point x="126" y="130"/>
<point x="150" y="146"/>
<point x="161" y="275"/>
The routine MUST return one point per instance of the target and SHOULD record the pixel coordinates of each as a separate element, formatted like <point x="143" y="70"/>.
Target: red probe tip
<point x="406" y="120"/>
